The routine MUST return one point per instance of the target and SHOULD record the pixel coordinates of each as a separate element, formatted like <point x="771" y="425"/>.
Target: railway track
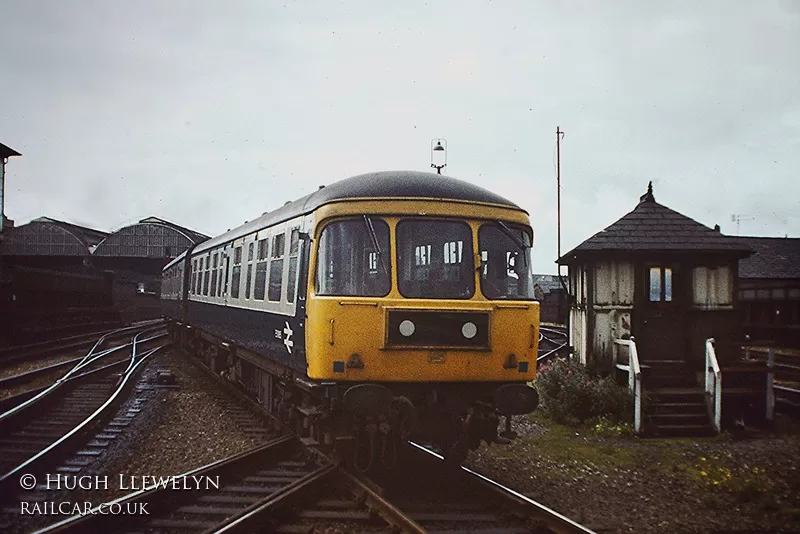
<point x="13" y="354"/>
<point x="553" y="342"/>
<point x="218" y="495"/>
<point x="57" y="416"/>
<point x="284" y="486"/>
<point x="41" y="364"/>
<point x="21" y="387"/>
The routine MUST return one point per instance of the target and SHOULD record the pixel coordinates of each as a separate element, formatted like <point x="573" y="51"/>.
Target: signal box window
<point x="353" y="259"/>
<point x="435" y="259"/>
<point x="660" y="284"/>
<point x="505" y="262"/>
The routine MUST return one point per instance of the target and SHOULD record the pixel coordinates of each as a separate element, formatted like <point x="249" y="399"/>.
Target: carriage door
<point x="661" y="335"/>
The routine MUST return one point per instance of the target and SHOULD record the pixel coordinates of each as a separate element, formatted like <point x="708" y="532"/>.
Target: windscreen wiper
<point x="510" y="233"/>
<point x="371" y="230"/>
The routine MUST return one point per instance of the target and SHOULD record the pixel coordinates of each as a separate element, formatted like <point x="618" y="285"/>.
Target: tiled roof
<point x="775" y="257"/>
<point x="548" y="282"/>
<point x="653" y="227"/>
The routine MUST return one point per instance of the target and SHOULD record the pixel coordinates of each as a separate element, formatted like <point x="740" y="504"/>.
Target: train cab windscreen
<point x="435" y="259"/>
<point x="505" y="262"/>
<point x="354" y="259"/>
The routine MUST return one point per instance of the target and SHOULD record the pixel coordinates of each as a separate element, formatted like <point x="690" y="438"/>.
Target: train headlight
<point x="407" y="328"/>
<point x="469" y="330"/>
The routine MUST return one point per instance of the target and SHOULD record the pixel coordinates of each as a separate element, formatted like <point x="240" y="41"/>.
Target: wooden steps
<point x="677" y="406"/>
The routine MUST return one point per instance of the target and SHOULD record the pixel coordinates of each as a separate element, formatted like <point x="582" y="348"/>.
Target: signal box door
<point x="661" y="334"/>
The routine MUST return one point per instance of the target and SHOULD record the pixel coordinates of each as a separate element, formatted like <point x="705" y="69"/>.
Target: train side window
<point x="220" y="274"/>
<point x="353" y="258"/>
<point x="294" y="252"/>
<point x="276" y="268"/>
<point x="226" y="271"/>
<point x="200" y="276"/>
<point x="207" y="272"/>
<point x="193" y="285"/>
<point x="214" y="275"/>
<point x="197" y="277"/>
<point x="261" y="270"/>
<point x="249" y="282"/>
<point x="278" y="245"/>
<point x="236" y="276"/>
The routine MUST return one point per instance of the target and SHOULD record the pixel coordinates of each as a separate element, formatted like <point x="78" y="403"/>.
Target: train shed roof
<point x="151" y="237"/>
<point x="652" y="227"/>
<point x="45" y="236"/>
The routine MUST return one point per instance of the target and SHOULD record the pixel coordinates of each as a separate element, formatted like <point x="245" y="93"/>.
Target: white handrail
<point x="634" y="378"/>
<point x="713" y="383"/>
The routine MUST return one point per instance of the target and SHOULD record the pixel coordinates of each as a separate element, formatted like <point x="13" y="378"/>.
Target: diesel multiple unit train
<point x="385" y="307"/>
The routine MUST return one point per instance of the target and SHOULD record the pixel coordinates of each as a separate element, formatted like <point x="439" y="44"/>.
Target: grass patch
<point x="565" y="449"/>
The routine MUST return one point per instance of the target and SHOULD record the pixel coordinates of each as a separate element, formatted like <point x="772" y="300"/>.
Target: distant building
<point x="552" y="297"/>
<point x="50" y="243"/>
<point x="135" y="254"/>
<point x="769" y="290"/>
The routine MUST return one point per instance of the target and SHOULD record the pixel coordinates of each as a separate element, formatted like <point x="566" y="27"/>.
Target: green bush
<point x="569" y="395"/>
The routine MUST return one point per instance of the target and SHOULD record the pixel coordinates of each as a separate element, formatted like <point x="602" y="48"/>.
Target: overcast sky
<point x="210" y="113"/>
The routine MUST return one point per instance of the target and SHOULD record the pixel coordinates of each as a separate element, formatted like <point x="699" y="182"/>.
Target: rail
<point x="543" y="357"/>
<point x="82" y="364"/>
<point x="522" y="505"/>
<point x="713" y="384"/>
<point x="634" y="371"/>
<point x="88" y="420"/>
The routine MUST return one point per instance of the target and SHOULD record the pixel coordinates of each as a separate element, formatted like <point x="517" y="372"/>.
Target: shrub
<point x="569" y="395"/>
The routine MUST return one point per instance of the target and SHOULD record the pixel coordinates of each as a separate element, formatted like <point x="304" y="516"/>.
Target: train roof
<point x="178" y="259"/>
<point x="374" y="185"/>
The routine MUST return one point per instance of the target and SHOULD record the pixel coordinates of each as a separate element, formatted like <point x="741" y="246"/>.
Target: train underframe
<point x="365" y="424"/>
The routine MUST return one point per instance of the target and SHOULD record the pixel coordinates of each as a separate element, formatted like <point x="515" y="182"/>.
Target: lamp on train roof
<point x="438" y="154"/>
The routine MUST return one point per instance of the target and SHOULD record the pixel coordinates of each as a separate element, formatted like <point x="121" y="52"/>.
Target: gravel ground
<point x="24" y="366"/>
<point x="611" y="483"/>
<point x="50" y="377"/>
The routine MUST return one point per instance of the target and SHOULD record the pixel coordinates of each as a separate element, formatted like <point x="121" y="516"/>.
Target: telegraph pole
<point x="559" y="135"/>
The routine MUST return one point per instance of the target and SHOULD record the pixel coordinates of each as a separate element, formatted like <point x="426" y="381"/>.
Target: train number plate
<point x="436" y="356"/>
